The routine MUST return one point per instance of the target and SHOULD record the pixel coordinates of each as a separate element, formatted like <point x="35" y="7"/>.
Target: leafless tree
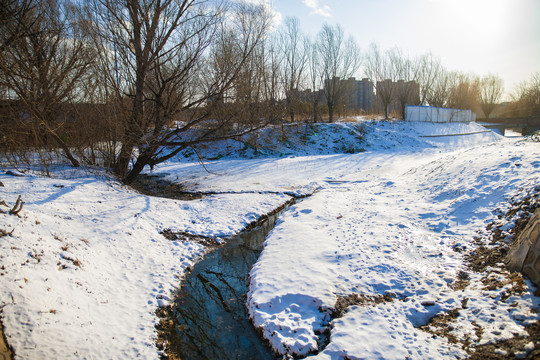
<point x="256" y="88"/>
<point x="44" y="65"/>
<point x="407" y="69"/>
<point x="439" y="94"/>
<point x="12" y="20"/>
<point x="295" y="57"/>
<point x="430" y="70"/>
<point x="464" y="92"/>
<point x="526" y="98"/>
<point x="314" y="68"/>
<point x="174" y="72"/>
<point x="272" y="79"/>
<point x="339" y="60"/>
<point x="491" y="89"/>
<point x="381" y="71"/>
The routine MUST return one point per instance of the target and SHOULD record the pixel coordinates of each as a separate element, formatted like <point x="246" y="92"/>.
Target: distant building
<point x="307" y="96"/>
<point x="358" y="94"/>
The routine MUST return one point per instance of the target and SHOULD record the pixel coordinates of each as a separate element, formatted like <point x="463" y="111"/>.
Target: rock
<point x="524" y="254"/>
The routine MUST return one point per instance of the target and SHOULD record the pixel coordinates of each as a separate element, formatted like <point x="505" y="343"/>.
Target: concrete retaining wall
<point x="524" y="255"/>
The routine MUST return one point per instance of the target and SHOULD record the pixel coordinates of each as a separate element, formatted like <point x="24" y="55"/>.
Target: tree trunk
<point x="67" y="152"/>
<point x="135" y="171"/>
<point x="60" y="142"/>
<point x="315" y="105"/>
<point x="122" y="163"/>
<point x="131" y="136"/>
<point x="330" y="112"/>
<point x="142" y="160"/>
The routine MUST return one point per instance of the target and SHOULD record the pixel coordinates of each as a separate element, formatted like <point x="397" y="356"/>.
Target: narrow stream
<point x="209" y="311"/>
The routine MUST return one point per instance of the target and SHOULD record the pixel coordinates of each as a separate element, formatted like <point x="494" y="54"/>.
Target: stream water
<point x="210" y="311"/>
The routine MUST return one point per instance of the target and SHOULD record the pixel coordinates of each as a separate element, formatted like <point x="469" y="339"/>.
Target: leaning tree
<point x="171" y="64"/>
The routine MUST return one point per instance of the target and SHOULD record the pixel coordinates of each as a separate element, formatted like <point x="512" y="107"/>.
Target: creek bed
<point x="209" y="313"/>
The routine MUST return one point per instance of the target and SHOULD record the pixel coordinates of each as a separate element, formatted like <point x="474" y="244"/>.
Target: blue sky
<point x="479" y="36"/>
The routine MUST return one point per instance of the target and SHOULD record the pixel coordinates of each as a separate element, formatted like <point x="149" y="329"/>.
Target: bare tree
<point x="526" y="98"/>
<point x="314" y="66"/>
<point x="407" y="69"/>
<point x="491" y="89"/>
<point x="272" y="74"/>
<point x="44" y="65"/>
<point x="380" y="70"/>
<point x="257" y="86"/>
<point x="430" y="70"/>
<point x="439" y="94"/>
<point x="340" y="60"/>
<point x="294" y="50"/>
<point x="12" y="20"/>
<point x="465" y="92"/>
<point x="164" y="71"/>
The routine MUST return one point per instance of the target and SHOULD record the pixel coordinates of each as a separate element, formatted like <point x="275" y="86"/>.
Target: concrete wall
<point x="438" y="115"/>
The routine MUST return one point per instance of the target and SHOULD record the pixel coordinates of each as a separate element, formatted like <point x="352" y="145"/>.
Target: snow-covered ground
<point x="391" y="230"/>
<point x="85" y="267"/>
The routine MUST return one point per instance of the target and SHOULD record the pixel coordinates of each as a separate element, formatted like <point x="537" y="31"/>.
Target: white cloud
<point x="313" y="4"/>
<point x="277" y="17"/>
<point x="323" y="11"/>
<point x="317" y="9"/>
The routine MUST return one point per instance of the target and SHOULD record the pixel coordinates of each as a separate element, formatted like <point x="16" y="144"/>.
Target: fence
<point x="438" y="115"/>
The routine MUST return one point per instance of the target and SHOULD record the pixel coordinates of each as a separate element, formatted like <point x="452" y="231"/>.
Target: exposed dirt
<point x="492" y="253"/>
<point x="211" y="242"/>
<point x="489" y="254"/>
<point x="344" y="302"/>
<point x="154" y="185"/>
<point x="264" y="217"/>
<point x="516" y="347"/>
<point x="184" y="236"/>
<point x="440" y="325"/>
<point x="462" y="281"/>
<point x="5" y="350"/>
<point x="166" y="331"/>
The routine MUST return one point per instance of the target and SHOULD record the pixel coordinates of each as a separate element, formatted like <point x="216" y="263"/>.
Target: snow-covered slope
<point x="85" y="267"/>
<point x="392" y="231"/>
<point x="342" y="138"/>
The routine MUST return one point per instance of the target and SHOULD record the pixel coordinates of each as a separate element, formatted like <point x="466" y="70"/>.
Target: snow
<point x="391" y="230"/>
<point x="86" y="266"/>
<point x="104" y="306"/>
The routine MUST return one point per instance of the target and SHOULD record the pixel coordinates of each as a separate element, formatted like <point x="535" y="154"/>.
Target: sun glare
<point x="480" y="18"/>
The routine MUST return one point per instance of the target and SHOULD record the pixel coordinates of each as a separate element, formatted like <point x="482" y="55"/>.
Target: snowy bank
<point x="86" y="267"/>
<point x="391" y="231"/>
